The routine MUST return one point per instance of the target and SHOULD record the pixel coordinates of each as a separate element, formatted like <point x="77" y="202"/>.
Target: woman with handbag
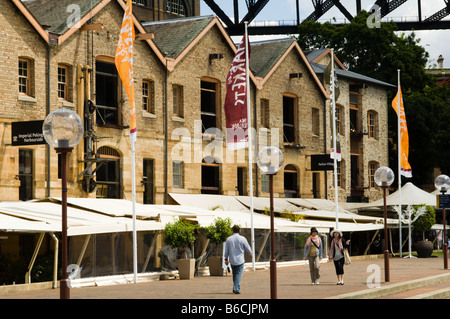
<point x="338" y="249"/>
<point x="313" y="252"/>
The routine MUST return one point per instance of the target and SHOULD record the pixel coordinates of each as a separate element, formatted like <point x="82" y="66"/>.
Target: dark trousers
<point x="339" y="265"/>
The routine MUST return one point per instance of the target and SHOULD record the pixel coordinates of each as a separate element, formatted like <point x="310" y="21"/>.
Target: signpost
<point x="27" y="133"/>
<point x="322" y="162"/>
<point x="443" y="200"/>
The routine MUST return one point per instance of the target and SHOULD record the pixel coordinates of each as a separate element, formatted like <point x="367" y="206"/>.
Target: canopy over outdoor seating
<point x="411" y="195"/>
<point x="96" y="216"/>
<point x="40" y="217"/>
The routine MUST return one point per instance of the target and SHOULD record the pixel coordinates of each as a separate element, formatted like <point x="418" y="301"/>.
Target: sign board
<point x="443" y="201"/>
<point x="27" y="133"/>
<point x="322" y="162"/>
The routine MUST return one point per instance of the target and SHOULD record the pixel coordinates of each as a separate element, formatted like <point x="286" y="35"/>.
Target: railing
<point x="293" y="22"/>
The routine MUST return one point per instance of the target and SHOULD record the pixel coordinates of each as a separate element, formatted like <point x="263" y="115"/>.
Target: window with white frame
<point x="177" y="174"/>
<point x="176" y="7"/>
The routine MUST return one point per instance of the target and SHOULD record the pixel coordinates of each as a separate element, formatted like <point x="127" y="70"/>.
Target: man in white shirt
<point x="235" y="247"/>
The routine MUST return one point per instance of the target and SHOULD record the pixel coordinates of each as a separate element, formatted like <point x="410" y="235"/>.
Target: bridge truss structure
<point x="383" y="8"/>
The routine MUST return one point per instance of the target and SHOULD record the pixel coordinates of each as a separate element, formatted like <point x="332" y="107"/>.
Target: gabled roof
<point x="316" y="55"/>
<point x="266" y="56"/>
<point x="55" y="15"/>
<point x="172" y="37"/>
<point x="48" y="16"/>
<point x="320" y="68"/>
<point x="176" y="37"/>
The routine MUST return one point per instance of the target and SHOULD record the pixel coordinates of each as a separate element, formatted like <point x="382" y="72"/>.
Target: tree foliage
<point x="426" y="221"/>
<point x="219" y="231"/>
<point x="179" y="234"/>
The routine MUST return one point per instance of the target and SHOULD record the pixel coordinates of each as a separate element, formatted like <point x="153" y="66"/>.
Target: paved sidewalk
<point x="293" y="283"/>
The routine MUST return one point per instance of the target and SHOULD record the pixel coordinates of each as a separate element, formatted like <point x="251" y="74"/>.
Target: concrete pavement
<point x="361" y="276"/>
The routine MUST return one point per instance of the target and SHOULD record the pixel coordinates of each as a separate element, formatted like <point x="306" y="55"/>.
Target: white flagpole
<point x="333" y="102"/>
<point x="250" y="145"/>
<point x="399" y="165"/>
<point x="133" y="191"/>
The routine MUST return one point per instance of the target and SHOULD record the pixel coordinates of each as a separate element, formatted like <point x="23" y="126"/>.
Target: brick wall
<point x="77" y="51"/>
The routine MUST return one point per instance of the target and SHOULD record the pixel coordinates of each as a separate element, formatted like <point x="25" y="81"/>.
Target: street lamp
<point x="442" y="184"/>
<point x="63" y="130"/>
<point x="270" y="160"/>
<point x="384" y="177"/>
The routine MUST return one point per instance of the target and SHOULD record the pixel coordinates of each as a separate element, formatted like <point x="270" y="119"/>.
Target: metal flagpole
<point x="133" y="190"/>
<point x="250" y="145"/>
<point x="399" y="166"/>
<point x="333" y="102"/>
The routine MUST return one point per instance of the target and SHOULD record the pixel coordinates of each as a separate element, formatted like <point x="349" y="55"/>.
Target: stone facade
<point x="362" y="151"/>
<point x="81" y="49"/>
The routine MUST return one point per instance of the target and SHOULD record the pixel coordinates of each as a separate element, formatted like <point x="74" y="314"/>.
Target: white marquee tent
<point x="411" y="195"/>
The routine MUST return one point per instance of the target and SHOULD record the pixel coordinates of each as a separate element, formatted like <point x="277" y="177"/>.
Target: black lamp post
<point x="63" y="130"/>
<point x="384" y="177"/>
<point x="442" y="184"/>
<point x="270" y="160"/>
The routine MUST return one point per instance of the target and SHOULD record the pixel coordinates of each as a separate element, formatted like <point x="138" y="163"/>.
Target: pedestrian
<point x="235" y="247"/>
<point x="336" y="253"/>
<point x="313" y="252"/>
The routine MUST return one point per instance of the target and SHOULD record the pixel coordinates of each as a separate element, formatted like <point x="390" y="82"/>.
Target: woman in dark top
<point x="336" y="253"/>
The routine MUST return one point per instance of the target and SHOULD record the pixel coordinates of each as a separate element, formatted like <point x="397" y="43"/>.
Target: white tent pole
<point x="250" y="145"/>
<point x="399" y="167"/>
<point x="333" y="102"/>
<point x="133" y="190"/>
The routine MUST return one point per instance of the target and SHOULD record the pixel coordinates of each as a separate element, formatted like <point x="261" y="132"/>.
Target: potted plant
<point x="424" y="223"/>
<point x="181" y="234"/>
<point x="217" y="233"/>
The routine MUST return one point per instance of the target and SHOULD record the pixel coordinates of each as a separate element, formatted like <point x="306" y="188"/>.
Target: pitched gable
<point x="266" y="56"/>
<point x="57" y="16"/>
<point x="318" y="60"/>
<point x="173" y="36"/>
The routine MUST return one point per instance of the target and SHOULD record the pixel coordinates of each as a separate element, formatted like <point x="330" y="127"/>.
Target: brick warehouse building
<point x="180" y="71"/>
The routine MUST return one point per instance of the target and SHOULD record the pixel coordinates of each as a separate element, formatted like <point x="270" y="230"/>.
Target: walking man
<point x="235" y="247"/>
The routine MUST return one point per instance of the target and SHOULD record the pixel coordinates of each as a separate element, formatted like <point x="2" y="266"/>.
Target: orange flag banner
<point x="405" y="168"/>
<point x="124" y="63"/>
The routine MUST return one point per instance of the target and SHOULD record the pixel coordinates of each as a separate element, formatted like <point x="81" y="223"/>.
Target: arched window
<point x="290" y="181"/>
<point x="108" y="173"/>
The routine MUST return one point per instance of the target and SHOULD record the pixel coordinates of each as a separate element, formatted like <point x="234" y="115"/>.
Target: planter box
<point x="424" y="249"/>
<point x="215" y="266"/>
<point x="186" y="268"/>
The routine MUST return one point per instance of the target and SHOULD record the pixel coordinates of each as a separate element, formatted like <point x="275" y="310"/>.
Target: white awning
<point x="411" y="195"/>
<point x="46" y="217"/>
<point x="209" y="202"/>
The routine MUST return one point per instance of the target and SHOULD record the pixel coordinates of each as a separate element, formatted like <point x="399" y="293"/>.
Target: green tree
<point x="219" y="231"/>
<point x="179" y="234"/>
<point x="426" y="221"/>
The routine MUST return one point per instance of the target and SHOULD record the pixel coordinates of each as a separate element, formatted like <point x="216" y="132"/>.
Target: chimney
<point x="440" y="61"/>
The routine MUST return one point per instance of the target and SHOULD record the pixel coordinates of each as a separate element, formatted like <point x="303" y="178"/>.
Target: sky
<point x="434" y="41"/>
